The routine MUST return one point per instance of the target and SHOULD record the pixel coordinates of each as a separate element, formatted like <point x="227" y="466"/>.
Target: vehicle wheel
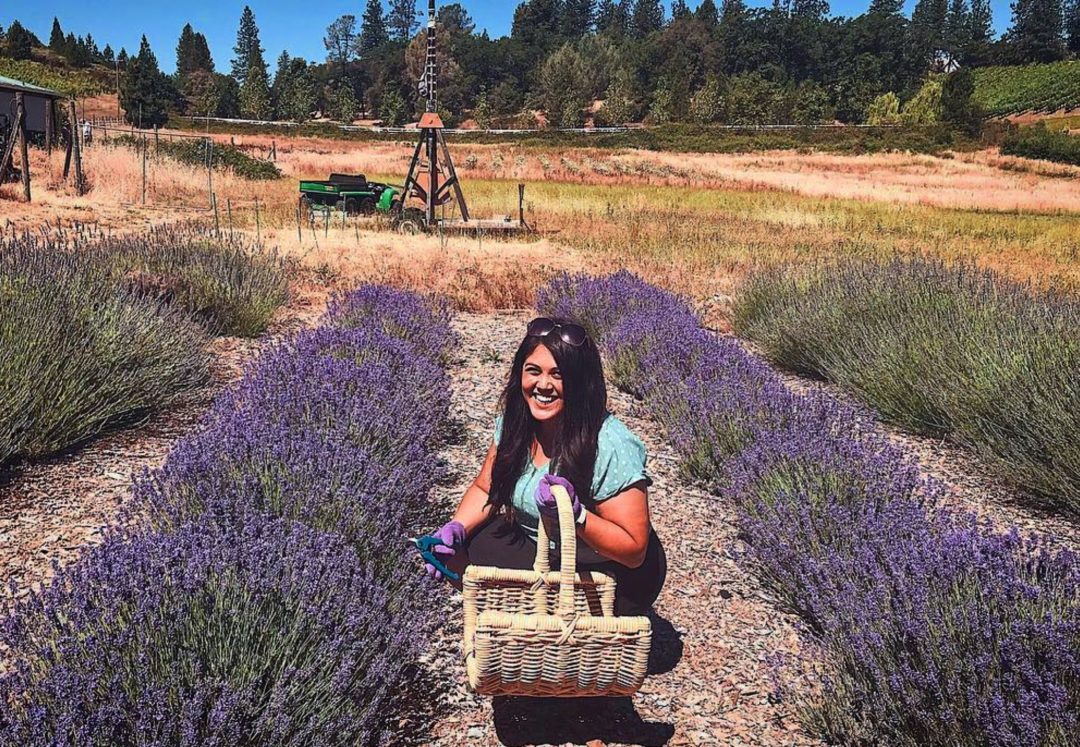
<point x="367" y="206"/>
<point x="411" y="222"/>
<point x="352" y="206"/>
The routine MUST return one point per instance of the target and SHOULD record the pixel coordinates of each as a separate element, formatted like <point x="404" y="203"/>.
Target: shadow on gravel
<point x="526" y="721"/>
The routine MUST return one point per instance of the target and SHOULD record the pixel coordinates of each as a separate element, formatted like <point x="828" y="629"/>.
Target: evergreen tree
<point x="647" y="17"/>
<point x="145" y="93"/>
<point x="192" y="53"/>
<point x="402" y="20"/>
<point x="255" y="91"/>
<point x="373" y="33"/>
<point x="339" y="40"/>
<point x="577" y="18"/>
<point x="17" y="42"/>
<point x="247" y="47"/>
<point x="343" y="103"/>
<point x="958" y="28"/>
<point x="814" y="10"/>
<point x="56" y="38"/>
<point x="1037" y="33"/>
<point x="122" y="58"/>
<point x="108" y="56"/>
<point x="536" y="25"/>
<point x="957" y="108"/>
<point x="982" y="22"/>
<point x="927" y="31"/>
<point x="1072" y="28"/>
<point x="680" y="10"/>
<point x="707" y="13"/>
<point x="707" y="105"/>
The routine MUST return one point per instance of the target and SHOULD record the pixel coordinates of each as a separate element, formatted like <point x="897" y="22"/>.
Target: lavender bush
<point x="78" y="354"/>
<point x="931" y="629"/>
<point x="949" y="351"/>
<point x="264" y="632"/>
<point x="424" y="322"/>
<point x="259" y="590"/>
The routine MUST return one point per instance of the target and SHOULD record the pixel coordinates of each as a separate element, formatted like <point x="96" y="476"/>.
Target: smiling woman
<point x="555" y="429"/>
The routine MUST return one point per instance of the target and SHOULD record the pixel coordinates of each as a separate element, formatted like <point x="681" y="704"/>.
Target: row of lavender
<point x="924" y="627"/>
<point x="259" y="591"/>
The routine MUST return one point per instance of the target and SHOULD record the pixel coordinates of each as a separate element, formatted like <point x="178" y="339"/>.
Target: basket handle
<point x="568" y="547"/>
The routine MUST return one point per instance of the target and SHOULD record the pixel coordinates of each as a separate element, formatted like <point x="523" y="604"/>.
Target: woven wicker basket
<point x="551" y="634"/>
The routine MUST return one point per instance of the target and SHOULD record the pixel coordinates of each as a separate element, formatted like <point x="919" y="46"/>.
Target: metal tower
<point x="426" y="181"/>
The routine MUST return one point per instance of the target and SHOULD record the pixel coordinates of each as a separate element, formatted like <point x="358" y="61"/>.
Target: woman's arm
<point x="619" y="528"/>
<point x="473" y="511"/>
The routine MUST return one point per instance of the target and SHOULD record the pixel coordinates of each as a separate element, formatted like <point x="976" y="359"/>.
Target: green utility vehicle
<point x="351" y="193"/>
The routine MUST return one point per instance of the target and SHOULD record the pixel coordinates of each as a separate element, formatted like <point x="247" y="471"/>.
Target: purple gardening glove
<point x="545" y="500"/>
<point x="452" y="535"/>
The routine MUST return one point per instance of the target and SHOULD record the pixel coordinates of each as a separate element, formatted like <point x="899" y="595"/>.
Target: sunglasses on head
<point x="571" y="334"/>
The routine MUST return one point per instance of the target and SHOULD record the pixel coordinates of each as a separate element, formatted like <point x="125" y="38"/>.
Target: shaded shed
<point x="39" y="103"/>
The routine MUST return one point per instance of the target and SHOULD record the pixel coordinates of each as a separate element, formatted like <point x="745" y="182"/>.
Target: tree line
<point x="790" y="62"/>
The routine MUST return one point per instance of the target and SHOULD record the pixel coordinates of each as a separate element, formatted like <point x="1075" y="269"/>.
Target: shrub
<point x="1040" y="142"/>
<point x="199" y="151"/>
<point x="264" y="632"/>
<point x="947" y="351"/>
<point x="929" y="628"/>
<point x="424" y="322"/>
<point x="80" y="354"/>
<point x="232" y="287"/>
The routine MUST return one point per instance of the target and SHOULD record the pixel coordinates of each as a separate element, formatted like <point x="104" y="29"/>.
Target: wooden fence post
<point x="76" y="150"/>
<point x="20" y="124"/>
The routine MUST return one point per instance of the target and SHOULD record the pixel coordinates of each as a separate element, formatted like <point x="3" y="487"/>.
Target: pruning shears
<point x="426" y="545"/>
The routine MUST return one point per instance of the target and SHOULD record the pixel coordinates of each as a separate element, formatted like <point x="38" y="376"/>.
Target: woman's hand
<point x="452" y="535"/>
<point x="545" y="499"/>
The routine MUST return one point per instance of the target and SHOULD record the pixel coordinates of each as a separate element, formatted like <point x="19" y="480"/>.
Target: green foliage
<point x="885" y="110"/>
<point x="196" y="152"/>
<point x="343" y="104"/>
<point x="925" y="107"/>
<point x="69" y="82"/>
<point x="394" y="111"/>
<point x="17" y="42"/>
<point x="373" y="32"/>
<point x="248" y="49"/>
<point x="957" y="108"/>
<point x="563" y="86"/>
<point x="255" y="93"/>
<point x="948" y="351"/>
<point x="621" y="100"/>
<point x="707" y="105"/>
<point x="1036" y="88"/>
<point x="1036" y="32"/>
<point x="1043" y="143"/>
<point x="146" y="92"/>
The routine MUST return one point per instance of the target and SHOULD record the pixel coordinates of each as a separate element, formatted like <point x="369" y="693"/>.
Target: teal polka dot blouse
<point x="620" y="463"/>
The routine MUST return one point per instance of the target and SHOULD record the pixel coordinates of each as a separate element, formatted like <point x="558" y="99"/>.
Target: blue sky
<point x="283" y="24"/>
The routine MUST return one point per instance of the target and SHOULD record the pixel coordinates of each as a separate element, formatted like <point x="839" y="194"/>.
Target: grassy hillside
<point x="50" y="74"/>
<point x="1029" y="88"/>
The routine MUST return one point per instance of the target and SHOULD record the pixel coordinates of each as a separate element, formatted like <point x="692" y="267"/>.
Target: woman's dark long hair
<point x="584" y="408"/>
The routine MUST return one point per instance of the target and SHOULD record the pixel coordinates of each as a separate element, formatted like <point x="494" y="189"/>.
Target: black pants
<point x="505" y="544"/>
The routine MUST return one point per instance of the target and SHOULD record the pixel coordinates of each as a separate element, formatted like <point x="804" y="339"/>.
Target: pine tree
<point x="255" y="91"/>
<point x="402" y="20"/>
<point x="707" y="13"/>
<point x="982" y="22"/>
<point x="339" y="40"/>
<point x="577" y="18"/>
<point x="647" y="17"/>
<point x="145" y="92"/>
<point x="1072" y="28"/>
<point x="373" y="31"/>
<point x="56" y="38"/>
<point x="343" y="103"/>
<point x="886" y="7"/>
<point x="814" y="10"/>
<point x="107" y="55"/>
<point x="184" y="53"/>
<point x="680" y="10"/>
<point x="17" y="42"/>
<point x="1037" y="33"/>
<point x="247" y="46"/>
<point x="927" y="31"/>
<point x="958" y="28"/>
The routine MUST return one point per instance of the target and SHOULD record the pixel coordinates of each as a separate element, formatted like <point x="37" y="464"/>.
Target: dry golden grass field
<point x="693" y="222"/>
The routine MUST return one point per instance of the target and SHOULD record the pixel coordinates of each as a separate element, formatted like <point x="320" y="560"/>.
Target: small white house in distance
<point x="40" y="105"/>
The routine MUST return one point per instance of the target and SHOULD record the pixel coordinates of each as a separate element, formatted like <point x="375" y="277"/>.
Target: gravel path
<point x="713" y="626"/>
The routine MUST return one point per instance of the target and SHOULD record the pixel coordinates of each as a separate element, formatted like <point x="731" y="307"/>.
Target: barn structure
<point x="42" y="107"/>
